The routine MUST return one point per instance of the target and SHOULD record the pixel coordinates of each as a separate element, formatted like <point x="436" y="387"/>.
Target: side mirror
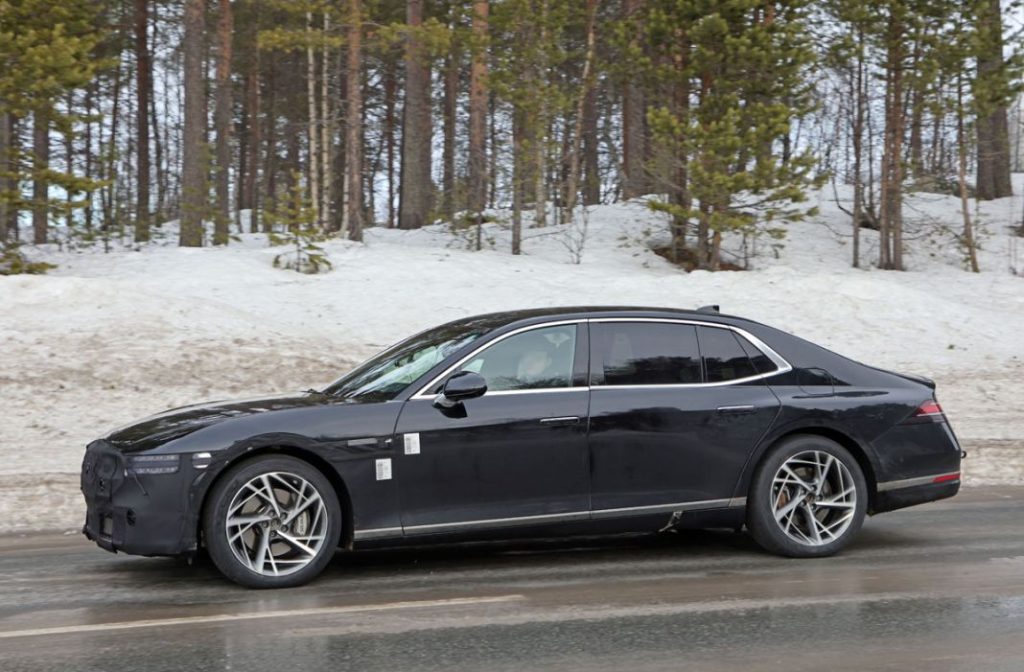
<point x="460" y="387"/>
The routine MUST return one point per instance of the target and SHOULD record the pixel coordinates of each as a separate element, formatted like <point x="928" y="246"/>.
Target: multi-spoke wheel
<point x="272" y="522"/>
<point x="808" y="498"/>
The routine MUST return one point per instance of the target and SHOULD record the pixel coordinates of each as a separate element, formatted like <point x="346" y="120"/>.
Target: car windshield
<point x="384" y="376"/>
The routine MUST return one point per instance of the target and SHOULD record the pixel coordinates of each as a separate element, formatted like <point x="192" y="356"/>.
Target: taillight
<point x="929" y="411"/>
<point x="930" y="407"/>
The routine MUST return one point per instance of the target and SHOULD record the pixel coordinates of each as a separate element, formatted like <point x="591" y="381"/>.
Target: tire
<point x="272" y="544"/>
<point x="815" y="522"/>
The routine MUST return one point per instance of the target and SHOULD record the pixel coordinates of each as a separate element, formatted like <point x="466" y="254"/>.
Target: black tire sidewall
<point x="215" y="520"/>
<point x="761" y="518"/>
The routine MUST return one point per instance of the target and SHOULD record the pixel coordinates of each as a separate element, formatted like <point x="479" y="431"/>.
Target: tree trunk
<point x="416" y="189"/>
<point x="270" y="153"/>
<point x="891" y="248"/>
<point x="390" y="88"/>
<point x="194" y="151"/>
<point x="326" y="140"/>
<point x="965" y="206"/>
<point x="252" y="143"/>
<point x="354" y="123"/>
<point x="223" y="116"/>
<point x="993" y="178"/>
<point x="6" y="191"/>
<point x="40" y="186"/>
<point x="478" y="97"/>
<point x="518" y="178"/>
<point x="450" y="108"/>
<point x="634" y="149"/>
<point x="143" y="91"/>
<point x="541" y="129"/>
<point x="859" y="96"/>
<point x="591" y="163"/>
<point x="586" y="84"/>
<point x="312" y="133"/>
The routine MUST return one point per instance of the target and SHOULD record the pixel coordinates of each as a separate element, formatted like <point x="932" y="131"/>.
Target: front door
<point x="673" y="416"/>
<point x="515" y="456"/>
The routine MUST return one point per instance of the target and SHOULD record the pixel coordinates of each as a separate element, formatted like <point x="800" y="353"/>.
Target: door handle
<point x="734" y="410"/>
<point x="561" y="420"/>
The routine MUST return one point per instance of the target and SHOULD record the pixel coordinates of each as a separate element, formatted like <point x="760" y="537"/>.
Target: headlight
<point x="153" y="464"/>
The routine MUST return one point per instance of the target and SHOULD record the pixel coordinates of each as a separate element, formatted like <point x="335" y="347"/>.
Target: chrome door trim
<point x="491" y="523"/>
<point x="500" y="522"/>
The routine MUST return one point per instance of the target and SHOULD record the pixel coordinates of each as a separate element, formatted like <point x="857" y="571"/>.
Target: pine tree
<point x="745" y="66"/>
<point x="46" y="51"/>
<point x="293" y="223"/>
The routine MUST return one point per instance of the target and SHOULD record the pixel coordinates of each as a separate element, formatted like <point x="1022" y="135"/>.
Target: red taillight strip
<point x="946" y="478"/>
<point x="929" y="408"/>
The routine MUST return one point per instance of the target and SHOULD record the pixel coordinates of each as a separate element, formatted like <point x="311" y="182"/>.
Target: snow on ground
<point x="108" y="337"/>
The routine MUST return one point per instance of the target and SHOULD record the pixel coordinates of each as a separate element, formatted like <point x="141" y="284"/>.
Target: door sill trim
<point x="599" y="514"/>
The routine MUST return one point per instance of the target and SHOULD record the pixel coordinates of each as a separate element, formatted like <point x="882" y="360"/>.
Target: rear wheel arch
<point x="307" y="456"/>
<point x="855" y="448"/>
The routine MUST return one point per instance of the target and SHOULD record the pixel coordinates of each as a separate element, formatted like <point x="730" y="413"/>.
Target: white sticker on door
<point x="384" y="469"/>
<point x="412" y="444"/>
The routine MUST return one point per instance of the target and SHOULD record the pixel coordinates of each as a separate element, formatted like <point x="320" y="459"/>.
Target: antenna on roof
<point x="713" y="308"/>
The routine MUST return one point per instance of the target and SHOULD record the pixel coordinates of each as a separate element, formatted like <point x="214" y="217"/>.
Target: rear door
<point x="676" y="409"/>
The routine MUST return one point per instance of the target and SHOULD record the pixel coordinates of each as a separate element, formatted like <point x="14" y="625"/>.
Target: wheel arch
<point x="307" y="456"/>
<point x="844" y="439"/>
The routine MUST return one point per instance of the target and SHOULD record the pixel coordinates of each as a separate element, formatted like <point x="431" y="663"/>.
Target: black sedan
<point x="533" y="423"/>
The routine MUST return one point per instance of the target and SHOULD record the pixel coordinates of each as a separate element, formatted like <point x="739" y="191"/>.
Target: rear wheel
<point x="808" y="498"/>
<point x="273" y="522"/>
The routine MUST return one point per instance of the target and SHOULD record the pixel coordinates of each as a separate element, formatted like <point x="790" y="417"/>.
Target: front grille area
<point x="102" y="476"/>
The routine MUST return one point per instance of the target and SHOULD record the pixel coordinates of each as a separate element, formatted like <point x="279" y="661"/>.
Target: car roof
<point x="531" y="315"/>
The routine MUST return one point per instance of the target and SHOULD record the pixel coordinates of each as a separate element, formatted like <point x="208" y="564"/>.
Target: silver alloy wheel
<point x="276" y="524"/>
<point x="813" y="498"/>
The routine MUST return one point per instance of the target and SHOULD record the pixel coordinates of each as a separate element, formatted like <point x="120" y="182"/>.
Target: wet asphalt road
<point x="937" y="588"/>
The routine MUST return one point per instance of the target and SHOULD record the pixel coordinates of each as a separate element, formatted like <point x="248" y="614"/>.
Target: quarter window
<point x="761" y="361"/>
<point x="644" y="353"/>
<point x="536" y="359"/>
<point x="724" y="357"/>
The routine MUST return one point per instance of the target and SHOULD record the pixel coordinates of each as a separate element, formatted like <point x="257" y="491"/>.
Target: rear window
<point x="724" y="358"/>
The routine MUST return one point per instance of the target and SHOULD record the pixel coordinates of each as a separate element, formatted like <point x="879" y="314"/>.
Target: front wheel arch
<point x="314" y="460"/>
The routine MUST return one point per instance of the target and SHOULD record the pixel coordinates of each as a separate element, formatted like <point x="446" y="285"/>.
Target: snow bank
<point x="110" y="337"/>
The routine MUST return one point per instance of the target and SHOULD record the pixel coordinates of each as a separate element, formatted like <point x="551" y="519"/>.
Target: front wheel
<point x="272" y="522"/>
<point x="808" y="498"/>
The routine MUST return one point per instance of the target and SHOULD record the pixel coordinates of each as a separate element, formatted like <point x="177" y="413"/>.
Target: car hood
<point x="178" y="422"/>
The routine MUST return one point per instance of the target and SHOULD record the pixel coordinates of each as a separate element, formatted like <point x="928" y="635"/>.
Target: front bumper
<point x="138" y="514"/>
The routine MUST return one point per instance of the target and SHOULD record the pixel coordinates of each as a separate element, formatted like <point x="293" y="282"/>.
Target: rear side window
<point x="724" y="357"/>
<point x="644" y="353"/>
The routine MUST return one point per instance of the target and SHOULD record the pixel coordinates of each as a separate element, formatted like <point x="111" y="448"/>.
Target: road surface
<point x="936" y="588"/>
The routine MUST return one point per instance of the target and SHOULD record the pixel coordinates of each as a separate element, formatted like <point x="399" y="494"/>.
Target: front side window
<point x="644" y="353"/>
<point x="536" y="359"/>
<point x="384" y="376"/>
<point x="724" y="357"/>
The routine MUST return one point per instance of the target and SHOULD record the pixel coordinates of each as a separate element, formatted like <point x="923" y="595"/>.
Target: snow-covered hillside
<point x="106" y="338"/>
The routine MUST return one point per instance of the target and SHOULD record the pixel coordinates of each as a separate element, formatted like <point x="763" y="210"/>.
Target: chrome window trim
<point x="424" y="392"/>
<point x="782" y="365"/>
